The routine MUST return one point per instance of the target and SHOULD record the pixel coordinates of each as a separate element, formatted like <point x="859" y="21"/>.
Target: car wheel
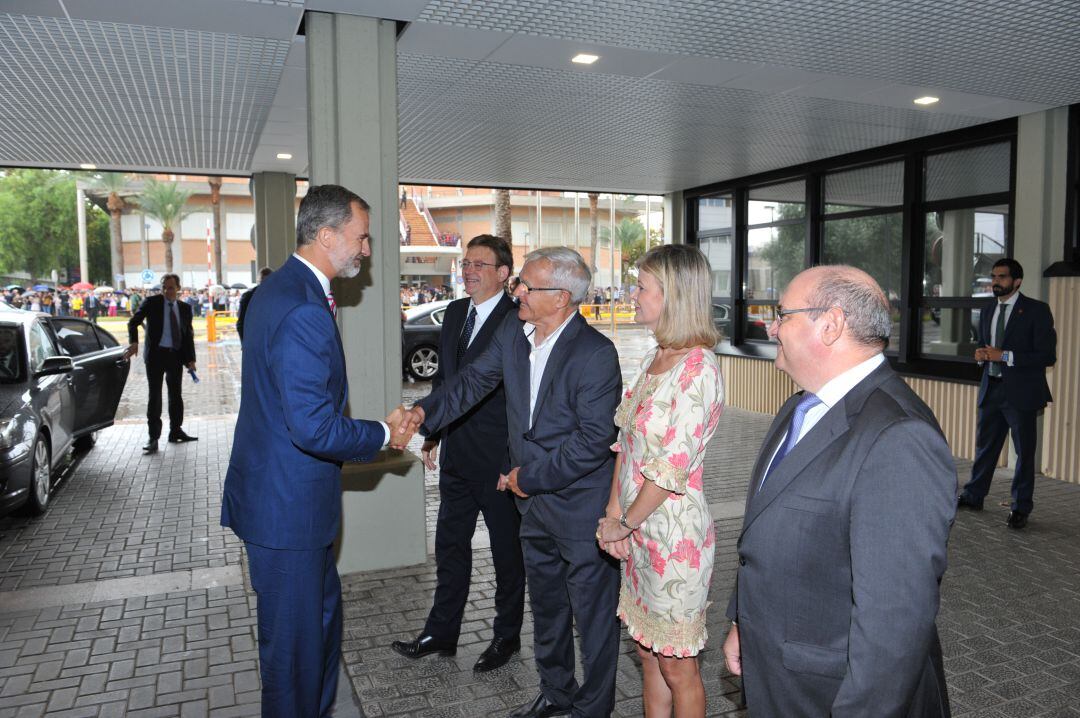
<point x="40" y="478"/>
<point x="423" y="362"/>
<point x="85" y="442"/>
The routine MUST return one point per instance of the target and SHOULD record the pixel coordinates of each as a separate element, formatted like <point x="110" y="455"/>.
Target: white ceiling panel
<point x="685" y="91"/>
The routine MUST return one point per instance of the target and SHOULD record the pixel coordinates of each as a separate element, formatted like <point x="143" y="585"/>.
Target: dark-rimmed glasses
<point x="467" y="264"/>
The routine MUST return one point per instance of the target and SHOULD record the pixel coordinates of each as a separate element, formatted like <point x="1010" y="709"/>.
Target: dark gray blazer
<point x="563" y="449"/>
<point x="840" y="559"/>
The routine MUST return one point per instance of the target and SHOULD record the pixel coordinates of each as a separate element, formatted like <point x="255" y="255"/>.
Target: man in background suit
<point x="474" y="454"/>
<point x="844" y="540"/>
<point x="245" y="299"/>
<point x="562" y="385"/>
<point x="1017" y="342"/>
<point x="170" y="346"/>
<point x="283" y="486"/>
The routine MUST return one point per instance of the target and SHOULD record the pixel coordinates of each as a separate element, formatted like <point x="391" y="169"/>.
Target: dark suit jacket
<point x="152" y="312"/>
<point x="1030" y="336"/>
<point x="563" y="448"/>
<point x="841" y="555"/>
<point x="474" y="446"/>
<point x="283" y="485"/>
<point x="245" y="299"/>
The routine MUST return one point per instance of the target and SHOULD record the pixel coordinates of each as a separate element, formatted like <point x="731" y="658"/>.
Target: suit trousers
<point x="299" y="607"/>
<point x="572" y="580"/>
<point x="460" y="502"/>
<point x="996" y="418"/>
<point x="164" y="364"/>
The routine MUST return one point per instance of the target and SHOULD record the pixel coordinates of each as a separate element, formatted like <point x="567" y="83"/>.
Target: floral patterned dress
<point x="665" y="421"/>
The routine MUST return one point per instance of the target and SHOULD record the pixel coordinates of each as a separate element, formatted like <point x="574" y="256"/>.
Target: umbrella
<point x="238" y="285"/>
<point x="82" y="286"/>
<point x="42" y="288"/>
<point x="14" y="286"/>
<point x="103" y="289"/>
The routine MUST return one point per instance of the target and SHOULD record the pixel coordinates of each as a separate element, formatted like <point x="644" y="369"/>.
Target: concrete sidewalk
<point x="127" y="598"/>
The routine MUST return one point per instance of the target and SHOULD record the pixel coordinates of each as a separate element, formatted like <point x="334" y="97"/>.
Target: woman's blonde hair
<point x="685" y="278"/>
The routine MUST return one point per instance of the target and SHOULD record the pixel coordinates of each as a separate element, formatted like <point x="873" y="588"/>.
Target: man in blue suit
<point x="1017" y="342"/>
<point x="283" y="487"/>
<point x="562" y="384"/>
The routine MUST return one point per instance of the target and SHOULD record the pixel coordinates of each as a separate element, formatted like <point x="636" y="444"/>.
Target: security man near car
<point x="1017" y="343"/>
<point x="170" y="346"/>
<point x="474" y="454"/>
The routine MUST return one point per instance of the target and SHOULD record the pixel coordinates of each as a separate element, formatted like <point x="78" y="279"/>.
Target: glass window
<point x="715" y="213"/>
<point x="776" y="202"/>
<point x="968" y="172"/>
<point x="41" y="346"/>
<point x="774" y="256"/>
<point x="76" y="337"/>
<point x="949" y="332"/>
<point x="961" y="245"/>
<point x="717" y="249"/>
<point x="865" y="188"/>
<point x="11" y="365"/>
<point x="107" y="340"/>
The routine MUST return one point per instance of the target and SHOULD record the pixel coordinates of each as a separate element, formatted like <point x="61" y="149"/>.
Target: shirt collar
<point x="835" y="389"/>
<point x="1011" y="301"/>
<point x="486" y="307"/>
<point x="324" y="282"/>
<point x="550" y="339"/>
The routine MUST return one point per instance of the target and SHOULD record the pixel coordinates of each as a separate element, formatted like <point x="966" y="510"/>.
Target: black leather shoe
<point x="423" y="645"/>
<point x="966" y="502"/>
<point x="1016" y="520"/>
<point x="151" y="447"/>
<point x="179" y="437"/>
<point x="497" y="654"/>
<point x="541" y="707"/>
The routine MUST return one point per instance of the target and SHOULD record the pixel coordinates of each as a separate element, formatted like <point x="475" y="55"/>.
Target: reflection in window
<point x="717" y="250"/>
<point x="865" y="188"/>
<point x="961" y="245"/>
<point x="777" y="202"/>
<point x="714" y="213"/>
<point x="949" y="332"/>
<point x="873" y="244"/>
<point x="774" y="256"/>
<point x="969" y="172"/>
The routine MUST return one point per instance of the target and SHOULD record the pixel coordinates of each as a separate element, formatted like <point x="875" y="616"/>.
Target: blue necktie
<point x="466" y="334"/>
<point x="999" y="339"/>
<point x="808" y="402"/>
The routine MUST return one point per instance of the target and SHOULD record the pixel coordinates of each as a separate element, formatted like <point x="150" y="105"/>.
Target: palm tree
<point x="164" y="201"/>
<point x="112" y="184"/>
<point x="630" y="238"/>
<point x="215" y="201"/>
<point x="502" y="215"/>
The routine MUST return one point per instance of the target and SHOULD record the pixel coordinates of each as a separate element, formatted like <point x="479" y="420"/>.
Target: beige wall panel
<point x="954" y="405"/>
<point x="754" y="384"/>
<point x="1061" y="423"/>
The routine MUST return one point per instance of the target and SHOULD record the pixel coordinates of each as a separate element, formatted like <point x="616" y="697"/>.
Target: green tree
<point x="39" y="229"/>
<point x="630" y="237"/>
<point x="112" y="184"/>
<point x="164" y="201"/>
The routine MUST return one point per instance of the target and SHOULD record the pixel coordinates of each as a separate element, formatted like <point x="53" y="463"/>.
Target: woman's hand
<point x="609" y="530"/>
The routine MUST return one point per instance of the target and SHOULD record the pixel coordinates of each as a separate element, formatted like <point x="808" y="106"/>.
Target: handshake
<point x="403" y="425"/>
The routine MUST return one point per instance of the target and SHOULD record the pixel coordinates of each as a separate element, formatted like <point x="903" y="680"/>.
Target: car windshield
<point x="11" y="359"/>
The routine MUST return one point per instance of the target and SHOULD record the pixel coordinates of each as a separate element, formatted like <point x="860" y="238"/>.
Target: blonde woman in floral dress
<point x="657" y="520"/>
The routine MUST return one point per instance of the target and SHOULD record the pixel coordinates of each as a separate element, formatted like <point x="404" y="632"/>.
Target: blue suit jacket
<point x="1030" y="336"/>
<point x="563" y="449"/>
<point x="283" y="486"/>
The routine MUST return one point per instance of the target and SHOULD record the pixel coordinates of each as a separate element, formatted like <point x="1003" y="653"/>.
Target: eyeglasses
<point x="469" y="264"/>
<point x="782" y="314"/>
<point x="518" y="282"/>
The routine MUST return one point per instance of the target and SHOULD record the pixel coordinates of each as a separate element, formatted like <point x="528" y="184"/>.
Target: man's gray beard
<point x="349" y="271"/>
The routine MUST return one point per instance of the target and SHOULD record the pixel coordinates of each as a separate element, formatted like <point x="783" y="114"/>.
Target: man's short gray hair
<point x="866" y="308"/>
<point x="568" y="270"/>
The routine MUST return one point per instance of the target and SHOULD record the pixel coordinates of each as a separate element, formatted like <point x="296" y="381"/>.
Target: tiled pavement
<point x="128" y="599"/>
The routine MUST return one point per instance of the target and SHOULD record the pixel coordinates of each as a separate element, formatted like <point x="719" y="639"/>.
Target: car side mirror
<point x="55" y="365"/>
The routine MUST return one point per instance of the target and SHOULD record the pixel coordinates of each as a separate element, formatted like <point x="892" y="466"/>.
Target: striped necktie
<point x="333" y="305"/>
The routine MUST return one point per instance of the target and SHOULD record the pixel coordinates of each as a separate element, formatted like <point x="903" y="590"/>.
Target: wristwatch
<point x="628" y="527"/>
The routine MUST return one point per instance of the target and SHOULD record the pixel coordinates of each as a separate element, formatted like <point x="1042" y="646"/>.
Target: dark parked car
<point x="420" y="330"/>
<point x="60" y="381"/>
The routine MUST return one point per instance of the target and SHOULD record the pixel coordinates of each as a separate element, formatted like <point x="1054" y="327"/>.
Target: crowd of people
<point x="414" y="295"/>
<point x="92" y="304"/>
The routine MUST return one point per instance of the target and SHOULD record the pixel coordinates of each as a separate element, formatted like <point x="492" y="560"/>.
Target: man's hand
<point x="609" y="530"/>
<point x="988" y="354"/>
<point x="428" y="452"/>
<point x="191" y="366"/>
<point x="509" y="481"/>
<point x="132" y="350"/>
<point x="732" y="652"/>
<point x="401" y="427"/>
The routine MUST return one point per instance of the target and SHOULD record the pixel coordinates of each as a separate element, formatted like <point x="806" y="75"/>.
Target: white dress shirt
<point x="1007" y="306"/>
<point x="483" y="311"/>
<point x="538" y="358"/>
<point x="831" y="394"/>
<point x="324" y="282"/>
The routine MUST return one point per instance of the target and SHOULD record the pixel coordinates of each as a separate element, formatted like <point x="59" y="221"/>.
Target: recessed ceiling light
<point x="284" y="156"/>
<point x="86" y="166"/>
<point x="584" y="58"/>
<point x="927" y="100"/>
